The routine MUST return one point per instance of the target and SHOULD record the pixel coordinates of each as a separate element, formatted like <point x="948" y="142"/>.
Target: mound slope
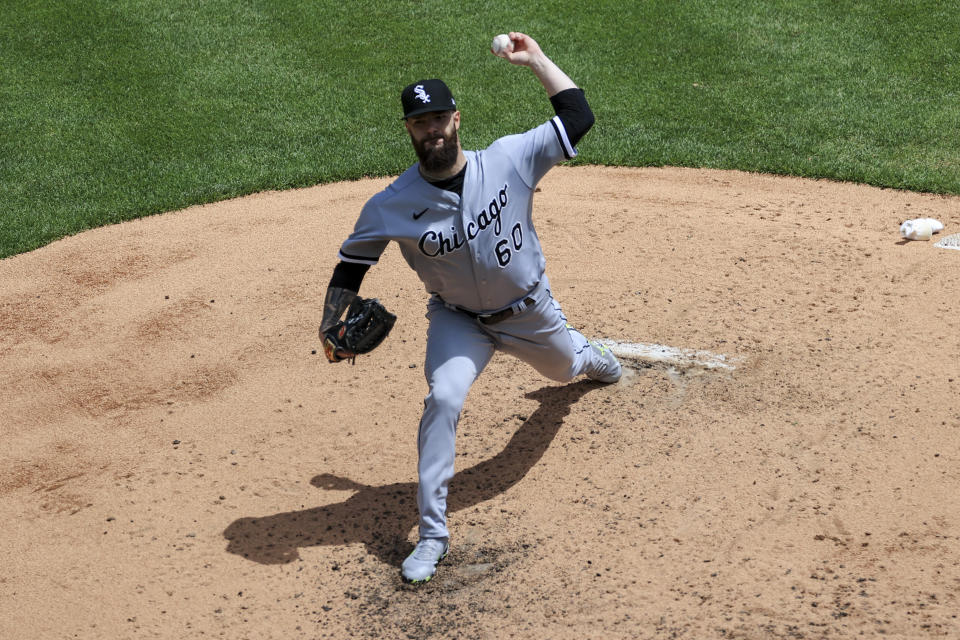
<point x="179" y="462"/>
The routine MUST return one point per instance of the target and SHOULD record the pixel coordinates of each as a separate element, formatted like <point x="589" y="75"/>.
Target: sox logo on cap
<point x="424" y="96"/>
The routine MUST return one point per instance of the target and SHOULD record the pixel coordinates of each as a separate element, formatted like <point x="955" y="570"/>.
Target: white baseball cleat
<point x="610" y="371"/>
<point x="421" y="565"/>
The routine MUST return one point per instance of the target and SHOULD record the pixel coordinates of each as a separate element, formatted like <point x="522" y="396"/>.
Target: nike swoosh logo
<point x="416" y="216"/>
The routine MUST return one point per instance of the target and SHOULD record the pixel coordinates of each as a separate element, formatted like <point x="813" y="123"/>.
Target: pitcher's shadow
<point x="382" y="517"/>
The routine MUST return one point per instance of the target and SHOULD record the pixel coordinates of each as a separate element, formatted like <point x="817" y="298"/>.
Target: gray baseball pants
<point x="458" y="349"/>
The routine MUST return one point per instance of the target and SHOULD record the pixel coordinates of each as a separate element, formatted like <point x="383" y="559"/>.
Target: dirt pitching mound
<point x="179" y="462"/>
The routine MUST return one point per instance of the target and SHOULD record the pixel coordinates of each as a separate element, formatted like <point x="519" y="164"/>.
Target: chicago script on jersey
<point x="439" y="243"/>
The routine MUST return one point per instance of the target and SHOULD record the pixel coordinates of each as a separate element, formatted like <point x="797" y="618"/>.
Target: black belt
<point x="499" y="316"/>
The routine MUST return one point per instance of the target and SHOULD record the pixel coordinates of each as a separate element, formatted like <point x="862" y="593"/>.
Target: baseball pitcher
<point x="463" y="221"/>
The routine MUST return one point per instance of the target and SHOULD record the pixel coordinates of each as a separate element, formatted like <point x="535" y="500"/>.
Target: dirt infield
<point x="179" y="462"/>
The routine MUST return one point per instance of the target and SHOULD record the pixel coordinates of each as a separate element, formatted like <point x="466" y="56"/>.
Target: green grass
<point x="114" y="109"/>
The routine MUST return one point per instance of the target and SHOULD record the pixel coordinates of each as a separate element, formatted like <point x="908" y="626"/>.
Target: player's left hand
<point x="332" y="346"/>
<point x="365" y="327"/>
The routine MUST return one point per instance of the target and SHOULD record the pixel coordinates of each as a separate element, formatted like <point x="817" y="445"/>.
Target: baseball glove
<point x="365" y="327"/>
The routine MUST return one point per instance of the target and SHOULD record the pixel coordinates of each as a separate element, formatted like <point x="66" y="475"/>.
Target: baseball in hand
<point x="501" y="43"/>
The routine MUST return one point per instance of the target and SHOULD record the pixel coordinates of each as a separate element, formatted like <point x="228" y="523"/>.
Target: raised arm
<point x="525" y="52"/>
<point x="568" y="100"/>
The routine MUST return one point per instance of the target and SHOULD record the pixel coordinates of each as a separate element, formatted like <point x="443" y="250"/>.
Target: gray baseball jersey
<point x="481" y="251"/>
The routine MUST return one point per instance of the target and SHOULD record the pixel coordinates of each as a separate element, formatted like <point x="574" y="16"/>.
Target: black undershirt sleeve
<point x="571" y="105"/>
<point x="348" y="275"/>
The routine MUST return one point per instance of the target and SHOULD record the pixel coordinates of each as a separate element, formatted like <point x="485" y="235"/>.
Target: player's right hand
<point x="525" y="49"/>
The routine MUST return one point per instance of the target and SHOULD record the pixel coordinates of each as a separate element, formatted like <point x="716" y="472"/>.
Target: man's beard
<point x="437" y="159"/>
